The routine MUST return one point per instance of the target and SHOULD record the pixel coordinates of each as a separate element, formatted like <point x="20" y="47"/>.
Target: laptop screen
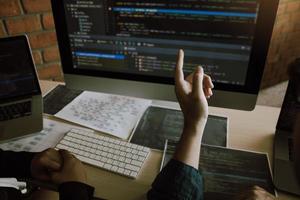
<point x="17" y="73"/>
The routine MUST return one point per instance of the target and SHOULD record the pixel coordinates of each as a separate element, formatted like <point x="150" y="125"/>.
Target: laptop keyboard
<point x="291" y="149"/>
<point x="58" y="98"/>
<point x="14" y="111"/>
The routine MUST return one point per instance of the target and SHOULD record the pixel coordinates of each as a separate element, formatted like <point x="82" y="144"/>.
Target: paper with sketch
<point x="51" y="134"/>
<point x="112" y="114"/>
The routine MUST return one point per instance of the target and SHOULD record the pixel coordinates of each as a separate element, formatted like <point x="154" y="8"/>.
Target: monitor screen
<point x="17" y="72"/>
<point x="142" y="37"/>
<point x="139" y="40"/>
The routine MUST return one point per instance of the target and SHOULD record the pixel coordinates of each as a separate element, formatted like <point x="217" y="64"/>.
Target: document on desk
<point x="112" y="114"/>
<point x="227" y="172"/>
<point x="51" y="134"/>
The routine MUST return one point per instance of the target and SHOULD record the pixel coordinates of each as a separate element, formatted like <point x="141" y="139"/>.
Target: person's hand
<point x="44" y="163"/>
<point x="72" y="170"/>
<point x="255" y="193"/>
<point x="192" y="93"/>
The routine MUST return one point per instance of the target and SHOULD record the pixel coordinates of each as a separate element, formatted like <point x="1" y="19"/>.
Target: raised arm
<point x="191" y="94"/>
<point x="180" y="179"/>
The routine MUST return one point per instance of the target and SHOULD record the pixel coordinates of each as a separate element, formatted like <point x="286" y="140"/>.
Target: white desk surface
<point x="247" y="130"/>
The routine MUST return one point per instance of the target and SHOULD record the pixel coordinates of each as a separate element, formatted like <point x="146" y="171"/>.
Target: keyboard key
<point x="114" y="169"/>
<point x="136" y="163"/>
<point x="107" y="166"/>
<point x="109" y="161"/>
<point x="104" y="159"/>
<point x="127" y="172"/>
<point x="134" y="174"/>
<point x="121" y="170"/>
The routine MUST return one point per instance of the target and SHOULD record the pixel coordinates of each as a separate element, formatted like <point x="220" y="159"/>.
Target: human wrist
<point x="190" y="122"/>
<point x="75" y="178"/>
<point x="195" y="128"/>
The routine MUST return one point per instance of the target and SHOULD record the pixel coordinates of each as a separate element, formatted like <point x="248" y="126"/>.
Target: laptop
<point x="285" y="178"/>
<point x="21" y="105"/>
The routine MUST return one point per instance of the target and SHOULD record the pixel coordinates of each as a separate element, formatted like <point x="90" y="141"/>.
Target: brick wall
<point x="33" y="17"/>
<point x="285" y="43"/>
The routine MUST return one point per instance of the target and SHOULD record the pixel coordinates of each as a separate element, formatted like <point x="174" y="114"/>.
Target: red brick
<point x="32" y="6"/>
<point x="287" y="28"/>
<point x="51" y="54"/>
<point x="2" y="31"/>
<point x="273" y="55"/>
<point x="48" y="21"/>
<point x="52" y="72"/>
<point x="37" y="57"/>
<point x="284" y="45"/>
<point x="293" y="36"/>
<point x="283" y="18"/>
<point x="296" y="52"/>
<point x="23" y="24"/>
<point x="292" y="6"/>
<point x="43" y="39"/>
<point x="277" y="37"/>
<point x="281" y="9"/>
<point x="9" y="8"/>
<point x="274" y="58"/>
<point x="295" y="17"/>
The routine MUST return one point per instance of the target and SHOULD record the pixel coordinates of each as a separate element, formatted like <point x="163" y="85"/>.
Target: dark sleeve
<point x="75" y="191"/>
<point x="177" y="181"/>
<point x="15" y="164"/>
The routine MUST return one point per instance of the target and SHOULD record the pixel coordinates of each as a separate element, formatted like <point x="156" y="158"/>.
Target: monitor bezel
<point x="265" y="22"/>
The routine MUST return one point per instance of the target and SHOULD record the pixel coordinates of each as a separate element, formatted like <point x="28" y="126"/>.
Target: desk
<point x="247" y="130"/>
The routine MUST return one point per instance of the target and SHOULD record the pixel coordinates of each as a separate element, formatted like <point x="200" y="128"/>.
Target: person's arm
<point x="26" y="165"/>
<point x="15" y="164"/>
<point x="180" y="179"/>
<point x="50" y="165"/>
<point x="191" y="94"/>
<point x="29" y="165"/>
<point x="297" y="147"/>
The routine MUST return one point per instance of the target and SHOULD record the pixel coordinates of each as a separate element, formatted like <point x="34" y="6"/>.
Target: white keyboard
<point x="107" y="153"/>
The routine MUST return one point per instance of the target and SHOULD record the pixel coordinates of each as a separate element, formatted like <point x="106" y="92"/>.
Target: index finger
<point x="179" y="76"/>
<point x="208" y="82"/>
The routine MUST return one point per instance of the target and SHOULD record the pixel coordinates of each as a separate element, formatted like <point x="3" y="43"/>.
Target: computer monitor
<point x="129" y="47"/>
